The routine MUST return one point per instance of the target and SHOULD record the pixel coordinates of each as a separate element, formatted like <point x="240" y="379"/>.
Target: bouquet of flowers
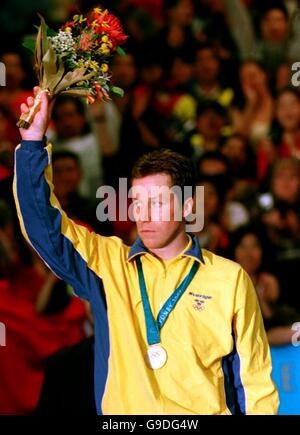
<point x="76" y="59"/>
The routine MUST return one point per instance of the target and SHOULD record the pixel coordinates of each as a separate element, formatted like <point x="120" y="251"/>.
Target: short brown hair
<point x="165" y="161"/>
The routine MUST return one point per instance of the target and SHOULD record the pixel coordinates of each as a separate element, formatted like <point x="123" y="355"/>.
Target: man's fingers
<point x="36" y="90"/>
<point x="44" y="105"/>
<point x="30" y="101"/>
<point x="24" y="108"/>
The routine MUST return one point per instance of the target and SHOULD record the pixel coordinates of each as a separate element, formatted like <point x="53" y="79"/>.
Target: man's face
<point x="158" y="212"/>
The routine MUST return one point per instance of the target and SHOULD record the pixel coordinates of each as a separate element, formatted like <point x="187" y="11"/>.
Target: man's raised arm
<point x="69" y="249"/>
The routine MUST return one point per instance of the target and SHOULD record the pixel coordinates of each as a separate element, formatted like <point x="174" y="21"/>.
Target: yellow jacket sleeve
<point x="252" y="364"/>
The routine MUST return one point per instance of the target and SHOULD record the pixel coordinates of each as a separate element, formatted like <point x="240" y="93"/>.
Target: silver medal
<point x="156" y="356"/>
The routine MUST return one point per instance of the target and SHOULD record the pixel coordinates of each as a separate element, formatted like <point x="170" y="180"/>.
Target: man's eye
<point x="137" y="203"/>
<point x="156" y="202"/>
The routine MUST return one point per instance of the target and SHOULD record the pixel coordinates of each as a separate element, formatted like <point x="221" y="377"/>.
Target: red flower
<point x="86" y="41"/>
<point x="115" y="31"/>
<point x="90" y="99"/>
<point x="98" y="90"/>
<point x="105" y="23"/>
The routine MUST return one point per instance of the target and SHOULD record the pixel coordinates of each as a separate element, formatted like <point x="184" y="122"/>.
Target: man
<point x="201" y="351"/>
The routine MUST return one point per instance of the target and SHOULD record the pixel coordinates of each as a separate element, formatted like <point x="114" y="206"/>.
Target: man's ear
<point x="187" y="207"/>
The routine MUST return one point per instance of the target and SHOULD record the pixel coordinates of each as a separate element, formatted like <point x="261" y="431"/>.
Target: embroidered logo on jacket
<point x="199" y="301"/>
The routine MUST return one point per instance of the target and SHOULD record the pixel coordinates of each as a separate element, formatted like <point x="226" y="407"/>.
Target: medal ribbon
<point x="153" y="326"/>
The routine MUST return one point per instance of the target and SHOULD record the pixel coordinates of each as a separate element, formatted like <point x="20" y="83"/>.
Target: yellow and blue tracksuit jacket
<point x="218" y="355"/>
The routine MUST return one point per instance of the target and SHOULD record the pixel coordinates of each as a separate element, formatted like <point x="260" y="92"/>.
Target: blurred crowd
<point x="211" y="79"/>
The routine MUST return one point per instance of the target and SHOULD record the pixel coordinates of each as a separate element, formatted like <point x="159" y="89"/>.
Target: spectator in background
<point x="125" y="75"/>
<point x="207" y="84"/>
<point x="152" y="75"/>
<point x="242" y="163"/>
<point x="212" y="24"/>
<point x="278" y="41"/>
<point x="241" y="157"/>
<point x="176" y="35"/>
<point x="14" y="93"/>
<point x="288" y="118"/>
<point x="105" y="121"/>
<point x="284" y="140"/>
<point x="252" y="110"/>
<point x="212" y="236"/>
<point x="281" y="217"/>
<point x="73" y="133"/>
<point x="213" y="163"/>
<point x="249" y="248"/>
<point x="139" y="131"/>
<point x="182" y="71"/>
<point x="154" y="8"/>
<point x="234" y="213"/>
<point x="280" y="35"/>
<point x="140" y="26"/>
<point x="67" y="175"/>
<point x="171" y="106"/>
<point x="209" y="133"/>
<point x="227" y="23"/>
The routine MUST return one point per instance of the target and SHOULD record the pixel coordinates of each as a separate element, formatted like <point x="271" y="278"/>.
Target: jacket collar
<point x="138" y="248"/>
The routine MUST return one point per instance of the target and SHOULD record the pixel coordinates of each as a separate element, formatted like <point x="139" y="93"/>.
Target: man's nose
<point x="145" y="213"/>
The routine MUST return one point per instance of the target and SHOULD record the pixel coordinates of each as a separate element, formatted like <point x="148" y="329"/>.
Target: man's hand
<point x="39" y="125"/>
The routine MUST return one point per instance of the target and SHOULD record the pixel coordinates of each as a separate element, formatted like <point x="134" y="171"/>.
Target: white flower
<point x="63" y="43"/>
